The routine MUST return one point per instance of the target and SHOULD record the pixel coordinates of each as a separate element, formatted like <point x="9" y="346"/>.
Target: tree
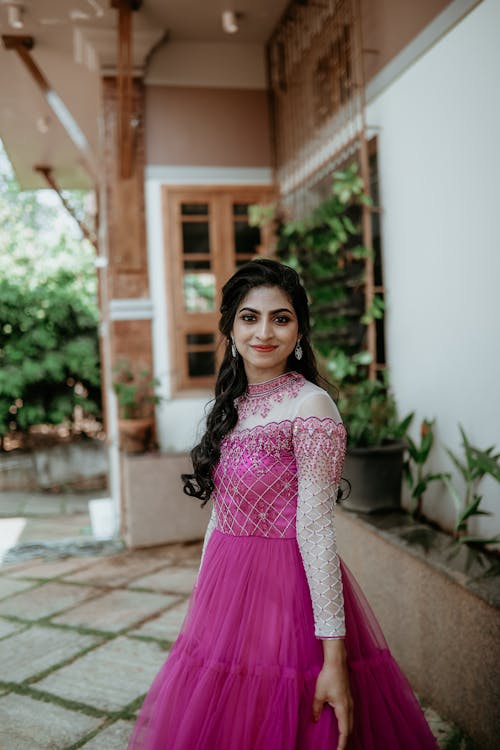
<point x="49" y="361"/>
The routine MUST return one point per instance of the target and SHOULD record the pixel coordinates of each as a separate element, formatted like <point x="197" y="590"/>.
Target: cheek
<point x="238" y="331"/>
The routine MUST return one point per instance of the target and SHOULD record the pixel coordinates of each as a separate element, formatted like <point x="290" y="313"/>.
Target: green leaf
<point x="457" y="500"/>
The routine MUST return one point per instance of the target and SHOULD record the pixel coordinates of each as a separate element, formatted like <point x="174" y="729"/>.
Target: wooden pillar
<point x="126" y="229"/>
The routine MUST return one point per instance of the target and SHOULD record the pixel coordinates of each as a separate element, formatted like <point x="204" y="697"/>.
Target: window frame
<point x="222" y="256"/>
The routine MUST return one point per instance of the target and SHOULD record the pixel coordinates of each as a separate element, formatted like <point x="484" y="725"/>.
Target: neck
<point x="257" y="376"/>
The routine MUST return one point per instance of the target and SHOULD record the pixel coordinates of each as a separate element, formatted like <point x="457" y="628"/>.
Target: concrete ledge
<point x="156" y="511"/>
<point x="440" y="620"/>
<point x="80" y="463"/>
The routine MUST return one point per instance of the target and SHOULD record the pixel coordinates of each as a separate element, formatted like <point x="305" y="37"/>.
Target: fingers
<point x="318" y="704"/>
<point x="343" y="721"/>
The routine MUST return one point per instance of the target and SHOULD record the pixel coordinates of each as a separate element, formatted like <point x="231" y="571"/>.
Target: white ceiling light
<point x="15" y="15"/>
<point x="230" y="21"/>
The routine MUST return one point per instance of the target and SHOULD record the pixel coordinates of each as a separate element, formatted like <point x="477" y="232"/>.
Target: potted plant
<point x="136" y="393"/>
<point x="375" y="445"/>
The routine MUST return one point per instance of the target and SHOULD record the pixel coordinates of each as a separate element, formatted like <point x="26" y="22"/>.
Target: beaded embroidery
<point x="261" y="397"/>
<point x="279" y="480"/>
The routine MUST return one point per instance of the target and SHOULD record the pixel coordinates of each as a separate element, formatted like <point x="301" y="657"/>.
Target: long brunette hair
<point x="232" y="380"/>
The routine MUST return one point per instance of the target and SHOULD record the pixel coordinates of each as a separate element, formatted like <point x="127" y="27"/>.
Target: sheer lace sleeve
<point x="212" y="523"/>
<point x="319" y="440"/>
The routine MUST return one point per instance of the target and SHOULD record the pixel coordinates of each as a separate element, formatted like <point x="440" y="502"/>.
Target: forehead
<point x="264" y="298"/>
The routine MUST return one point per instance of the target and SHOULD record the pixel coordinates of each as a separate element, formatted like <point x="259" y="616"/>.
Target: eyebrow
<point x="271" y="312"/>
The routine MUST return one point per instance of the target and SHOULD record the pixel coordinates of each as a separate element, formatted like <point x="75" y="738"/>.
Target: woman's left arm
<point x="319" y="444"/>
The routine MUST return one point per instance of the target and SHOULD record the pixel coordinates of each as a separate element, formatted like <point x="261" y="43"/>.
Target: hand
<point x="332" y="687"/>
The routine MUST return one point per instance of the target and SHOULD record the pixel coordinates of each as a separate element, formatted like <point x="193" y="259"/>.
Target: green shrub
<point x="49" y="354"/>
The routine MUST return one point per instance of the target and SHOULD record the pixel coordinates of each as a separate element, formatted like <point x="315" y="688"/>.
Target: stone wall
<point x="80" y="464"/>
<point x="440" y="618"/>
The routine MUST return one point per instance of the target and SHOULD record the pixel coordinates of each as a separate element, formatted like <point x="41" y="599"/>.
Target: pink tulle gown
<point x="242" y="673"/>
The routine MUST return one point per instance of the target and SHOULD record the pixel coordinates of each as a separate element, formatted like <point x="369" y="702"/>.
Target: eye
<point x="282" y="319"/>
<point x="247" y="317"/>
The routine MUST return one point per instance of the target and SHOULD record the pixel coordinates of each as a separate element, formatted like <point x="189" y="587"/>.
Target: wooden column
<point x="126" y="229"/>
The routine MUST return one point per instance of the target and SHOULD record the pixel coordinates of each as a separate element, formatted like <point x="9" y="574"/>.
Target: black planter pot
<point x="375" y="475"/>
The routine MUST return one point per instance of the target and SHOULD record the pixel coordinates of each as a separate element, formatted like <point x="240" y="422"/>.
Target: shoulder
<point x="315" y="402"/>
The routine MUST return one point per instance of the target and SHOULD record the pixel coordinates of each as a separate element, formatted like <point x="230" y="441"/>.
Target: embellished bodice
<point x="277" y="477"/>
<point x="256" y="479"/>
<point x="256" y="482"/>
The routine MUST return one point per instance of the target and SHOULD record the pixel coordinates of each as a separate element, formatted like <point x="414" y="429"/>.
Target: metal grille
<point x="315" y="62"/>
<point x="316" y="81"/>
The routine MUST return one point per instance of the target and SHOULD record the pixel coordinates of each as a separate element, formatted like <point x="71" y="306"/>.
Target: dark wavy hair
<point x="232" y="380"/>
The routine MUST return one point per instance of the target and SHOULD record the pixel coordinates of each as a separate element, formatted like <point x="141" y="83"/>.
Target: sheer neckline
<point x="273" y="385"/>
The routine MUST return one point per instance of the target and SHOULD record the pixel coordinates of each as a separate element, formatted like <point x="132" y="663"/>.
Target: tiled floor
<point x="81" y="638"/>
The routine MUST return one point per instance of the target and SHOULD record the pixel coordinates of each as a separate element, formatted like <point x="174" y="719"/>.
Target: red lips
<point x="264" y="348"/>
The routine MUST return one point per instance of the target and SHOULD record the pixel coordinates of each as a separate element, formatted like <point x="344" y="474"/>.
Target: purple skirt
<point x="241" y="675"/>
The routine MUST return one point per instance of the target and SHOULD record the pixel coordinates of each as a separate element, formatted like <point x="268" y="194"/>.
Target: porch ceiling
<point x="74" y="41"/>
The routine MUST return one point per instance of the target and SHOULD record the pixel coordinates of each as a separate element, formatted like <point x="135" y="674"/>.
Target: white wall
<point x="439" y="162"/>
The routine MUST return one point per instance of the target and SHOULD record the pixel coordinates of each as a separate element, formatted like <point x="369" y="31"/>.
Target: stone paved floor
<point x="81" y="638"/>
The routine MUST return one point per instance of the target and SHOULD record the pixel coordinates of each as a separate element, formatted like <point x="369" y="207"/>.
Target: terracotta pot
<point x="376" y="476"/>
<point x="135" y="434"/>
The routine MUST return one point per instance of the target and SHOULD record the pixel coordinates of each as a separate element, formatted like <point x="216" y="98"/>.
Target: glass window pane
<point x="197" y="265"/>
<point x="199" y="292"/>
<point x="200" y="338"/>
<point x="194" y="209"/>
<point x="201" y="363"/>
<point x="195" y="237"/>
<point x="246" y="239"/>
<point x="240" y="209"/>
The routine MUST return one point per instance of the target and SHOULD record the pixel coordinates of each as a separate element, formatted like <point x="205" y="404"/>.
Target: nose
<point x="264" y="330"/>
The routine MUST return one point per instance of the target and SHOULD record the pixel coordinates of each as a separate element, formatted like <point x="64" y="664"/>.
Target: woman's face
<point x="265" y="331"/>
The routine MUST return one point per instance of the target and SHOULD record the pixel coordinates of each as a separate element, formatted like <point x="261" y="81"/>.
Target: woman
<point x="279" y="651"/>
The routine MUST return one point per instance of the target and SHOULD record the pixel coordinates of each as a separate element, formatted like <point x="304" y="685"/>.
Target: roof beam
<point x="47" y="174"/>
<point x="23" y="45"/>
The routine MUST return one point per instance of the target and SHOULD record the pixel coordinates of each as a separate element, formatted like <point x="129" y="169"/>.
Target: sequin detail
<point x="319" y="447"/>
<point x="256" y="482"/>
<point x="279" y="480"/>
<point x="261" y="397"/>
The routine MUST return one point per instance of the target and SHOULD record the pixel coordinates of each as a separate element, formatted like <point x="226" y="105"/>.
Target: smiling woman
<point x="265" y="332"/>
<point x="278" y="640"/>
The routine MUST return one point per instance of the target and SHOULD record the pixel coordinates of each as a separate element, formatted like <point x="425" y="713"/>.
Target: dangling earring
<point x="298" y="350"/>
<point x="233" y="348"/>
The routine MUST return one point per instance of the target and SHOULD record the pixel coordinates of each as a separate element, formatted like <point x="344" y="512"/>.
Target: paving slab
<point x="8" y="567"/>
<point x="55" y="527"/>
<point x="37" y="649"/>
<point x="110" y="677"/>
<point x="167" y="626"/>
<point x="26" y="724"/>
<point x="114" y="737"/>
<point x="53" y="568"/>
<point x="116" y="610"/>
<point x="45" y="600"/>
<point x="9" y="586"/>
<point x="119" y="569"/>
<point x="185" y="553"/>
<point x="178" y="580"/>
<point x="9" y="628"/>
